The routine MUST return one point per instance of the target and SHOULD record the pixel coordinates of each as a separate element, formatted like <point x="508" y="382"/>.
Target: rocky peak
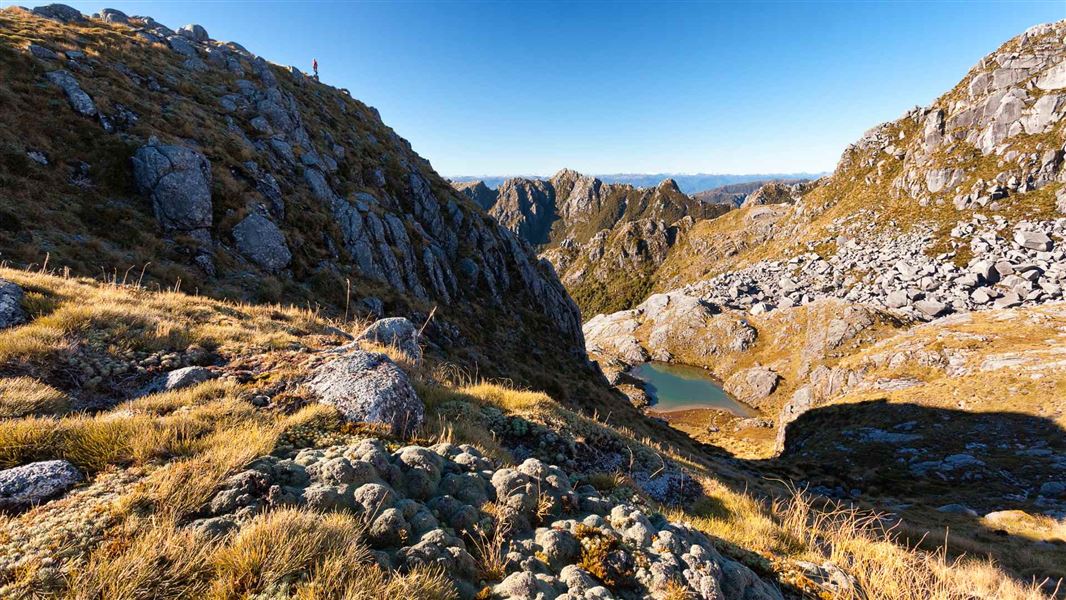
<point x="991" y="138"/>
<point x="477" y="192"/>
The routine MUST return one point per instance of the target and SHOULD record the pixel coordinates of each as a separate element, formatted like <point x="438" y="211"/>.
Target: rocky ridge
<point x="605" y="240"/>
<point x="271" y="183"/>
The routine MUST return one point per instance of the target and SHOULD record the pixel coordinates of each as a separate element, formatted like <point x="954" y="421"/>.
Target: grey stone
<point x="111" y="15"/>
<point x="194" y="32"/>
<point x="11" y="311"/>
<point x="61" y="13"/>
<point x="394" y="331"/>
<point x="78" y="99"/>
<point x="931" y="308"/>
<point x="42" y="52"/>
<point x="182" y="46"/>
<point x="369" y="387"/>
<point x="1034" y="240"/>
<point x="259" y="239"/>
<point x="179" y="378"/>
<point x="29" y="485"/>
<point x="178" y="180"/>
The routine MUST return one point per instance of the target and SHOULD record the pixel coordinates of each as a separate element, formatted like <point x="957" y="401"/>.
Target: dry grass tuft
<point x="25" y="396"/>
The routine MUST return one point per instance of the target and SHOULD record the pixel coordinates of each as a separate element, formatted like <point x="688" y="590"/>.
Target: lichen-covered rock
<point x="28" y="485"/>
<point x="413" y="522"/>
<point x="11" y="311"/>
<point x="394" y="331"/>
<point x="369" y="387"/>
<point x="178" y="180"/>
<point x="78" y="99"/>
<point x="259" y="239"/>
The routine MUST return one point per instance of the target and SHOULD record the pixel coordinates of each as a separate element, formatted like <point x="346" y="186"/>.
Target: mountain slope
<point x="809" y="306"/>
<point x="172" y="158"/>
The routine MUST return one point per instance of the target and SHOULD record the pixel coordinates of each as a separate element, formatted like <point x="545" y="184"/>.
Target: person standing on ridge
<point x="314" y="65"/>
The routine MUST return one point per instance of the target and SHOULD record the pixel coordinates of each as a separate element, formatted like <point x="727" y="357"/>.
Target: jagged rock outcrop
<point x="526" y="207"/>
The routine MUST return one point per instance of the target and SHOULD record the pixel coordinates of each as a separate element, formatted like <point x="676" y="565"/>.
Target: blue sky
<point x="685" y="87"/>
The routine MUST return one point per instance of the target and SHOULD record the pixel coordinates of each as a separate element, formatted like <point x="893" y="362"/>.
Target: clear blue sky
<point x="505" y="88"/>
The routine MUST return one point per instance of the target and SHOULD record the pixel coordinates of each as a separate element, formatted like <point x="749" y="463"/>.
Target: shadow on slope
<point x="941" y="470"/>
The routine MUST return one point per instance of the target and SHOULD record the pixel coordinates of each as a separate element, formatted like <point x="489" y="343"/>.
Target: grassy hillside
<point x="153" y="462"/>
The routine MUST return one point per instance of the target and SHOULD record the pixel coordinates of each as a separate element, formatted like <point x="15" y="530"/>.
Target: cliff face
<point x="202" y="163"/>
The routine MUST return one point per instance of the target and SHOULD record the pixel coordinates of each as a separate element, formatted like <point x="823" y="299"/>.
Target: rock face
<point x="29" y="485"/>
<point x="178" y="180"/>
<point x="422" y="504"/>
<point x="259" y="239"/>
<point x="369" y="387"/>
<point x="11" y="311"/>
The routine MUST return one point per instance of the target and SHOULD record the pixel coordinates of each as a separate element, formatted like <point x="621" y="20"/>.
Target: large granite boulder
<point x="111" y="15"/>
<point x="259" y="239"/>
<point x="26" y="486"/>
<point x="369" y="387"/>
<point x="178" y="180"/>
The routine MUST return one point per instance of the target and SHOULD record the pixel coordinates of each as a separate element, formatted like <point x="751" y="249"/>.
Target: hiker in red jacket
<point x="314" y="65"/>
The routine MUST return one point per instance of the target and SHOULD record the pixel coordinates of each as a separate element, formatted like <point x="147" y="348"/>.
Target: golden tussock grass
<point x="859" y="542"/>
<point x="26" y="396"/>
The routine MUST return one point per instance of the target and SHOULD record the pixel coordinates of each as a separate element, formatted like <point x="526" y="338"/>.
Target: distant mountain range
<point x="688" y="184"/>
